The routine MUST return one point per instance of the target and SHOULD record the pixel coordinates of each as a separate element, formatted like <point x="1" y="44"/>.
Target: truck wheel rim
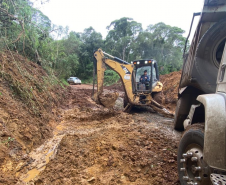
<point x="195" y="170"/>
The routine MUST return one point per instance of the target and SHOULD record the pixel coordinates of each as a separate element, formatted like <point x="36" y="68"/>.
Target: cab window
<point x="140" y="72"/>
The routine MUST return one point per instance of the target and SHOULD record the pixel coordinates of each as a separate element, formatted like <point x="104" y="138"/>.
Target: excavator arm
<point x="124" y="70"/>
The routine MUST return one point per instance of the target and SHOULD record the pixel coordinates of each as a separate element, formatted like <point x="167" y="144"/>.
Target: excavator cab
<point x="145" y="83"/>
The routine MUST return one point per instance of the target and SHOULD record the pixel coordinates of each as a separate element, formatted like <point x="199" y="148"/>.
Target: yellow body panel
<point x="126" y="78"/>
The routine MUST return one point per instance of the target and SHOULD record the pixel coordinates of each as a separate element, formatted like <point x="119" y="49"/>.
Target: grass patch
<point x="64" y="82"/>
<point x="8" y="141"/>
<point x="87" y="81"/>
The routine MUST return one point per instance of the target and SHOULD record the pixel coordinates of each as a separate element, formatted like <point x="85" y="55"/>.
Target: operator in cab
<point x="145" y="77"/>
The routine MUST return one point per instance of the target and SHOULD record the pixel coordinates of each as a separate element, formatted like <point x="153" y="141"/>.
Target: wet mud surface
<point x="102" y="146"/>
<point x="96" y="145"/>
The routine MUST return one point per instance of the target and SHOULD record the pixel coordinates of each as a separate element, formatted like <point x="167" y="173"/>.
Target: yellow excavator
<point x="138" y="91"/>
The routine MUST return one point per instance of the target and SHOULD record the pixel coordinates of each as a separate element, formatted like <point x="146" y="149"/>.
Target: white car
<point x="74" y="80"/>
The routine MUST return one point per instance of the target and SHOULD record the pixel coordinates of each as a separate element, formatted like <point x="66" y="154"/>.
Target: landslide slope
<point x="28" y="98"/>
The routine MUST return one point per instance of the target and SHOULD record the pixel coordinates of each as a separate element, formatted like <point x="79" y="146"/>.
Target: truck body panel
<point x="215" y="121"/>
<point x="215" y="129"/>
<point x="193" y="73"/>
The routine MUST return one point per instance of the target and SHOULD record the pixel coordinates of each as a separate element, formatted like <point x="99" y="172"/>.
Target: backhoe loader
<point x="138" y="92"/>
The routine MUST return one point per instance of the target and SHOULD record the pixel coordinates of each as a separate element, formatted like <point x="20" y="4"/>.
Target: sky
<point x="81" y="14"/>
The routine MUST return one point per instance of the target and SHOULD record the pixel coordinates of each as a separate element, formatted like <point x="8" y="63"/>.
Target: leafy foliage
<point x="29" y="32"/>
<point x="163" y="43"/>
<point x="122" y="35"/>
<point x="110" y="77"/>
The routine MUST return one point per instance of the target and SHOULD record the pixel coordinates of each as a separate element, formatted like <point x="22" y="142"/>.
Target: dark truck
<point x="201" y="101"/>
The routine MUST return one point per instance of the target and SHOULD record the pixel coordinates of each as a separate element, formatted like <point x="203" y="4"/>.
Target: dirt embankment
<point x="115" y="87"/>
<point x="170" y="89"/>
<point x="28" y="101"/>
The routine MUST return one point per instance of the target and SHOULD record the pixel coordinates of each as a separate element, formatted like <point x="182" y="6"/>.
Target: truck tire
<point x="190" y="157"/>
<point x="181" y="112"/>
<point x="209" y="53"/>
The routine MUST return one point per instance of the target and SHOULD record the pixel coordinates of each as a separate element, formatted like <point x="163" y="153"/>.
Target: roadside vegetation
<point x="26" y="30"/>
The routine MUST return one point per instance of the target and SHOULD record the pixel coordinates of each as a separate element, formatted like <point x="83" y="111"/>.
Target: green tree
<point x="67" y="63"/>
<point x="29" y="32"/>
<point x="91" y="41"/>
<point x="163" y="43"/>
<point x="121" y="36"/>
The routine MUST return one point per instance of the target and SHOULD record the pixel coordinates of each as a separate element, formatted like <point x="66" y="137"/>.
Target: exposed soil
<point x="102" y="146"/>
<point x="28" y="100"/>
<point x="66" y="138"/>
<point x="170" y="89"/>
<point x="121" y="155"/>
<point x="117" y="86"/>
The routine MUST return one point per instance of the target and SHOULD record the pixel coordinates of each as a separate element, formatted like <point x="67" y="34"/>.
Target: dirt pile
<point x="28" y="101"/>
<point x="170" y="89"/>
<point x="79" y="98"/>
<point x="117" y="86"/>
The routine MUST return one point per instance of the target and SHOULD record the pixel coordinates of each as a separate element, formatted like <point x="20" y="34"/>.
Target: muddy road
<point x="94" y="145"/>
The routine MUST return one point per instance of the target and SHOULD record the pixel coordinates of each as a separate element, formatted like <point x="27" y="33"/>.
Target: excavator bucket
<point x="108" y="100"/>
